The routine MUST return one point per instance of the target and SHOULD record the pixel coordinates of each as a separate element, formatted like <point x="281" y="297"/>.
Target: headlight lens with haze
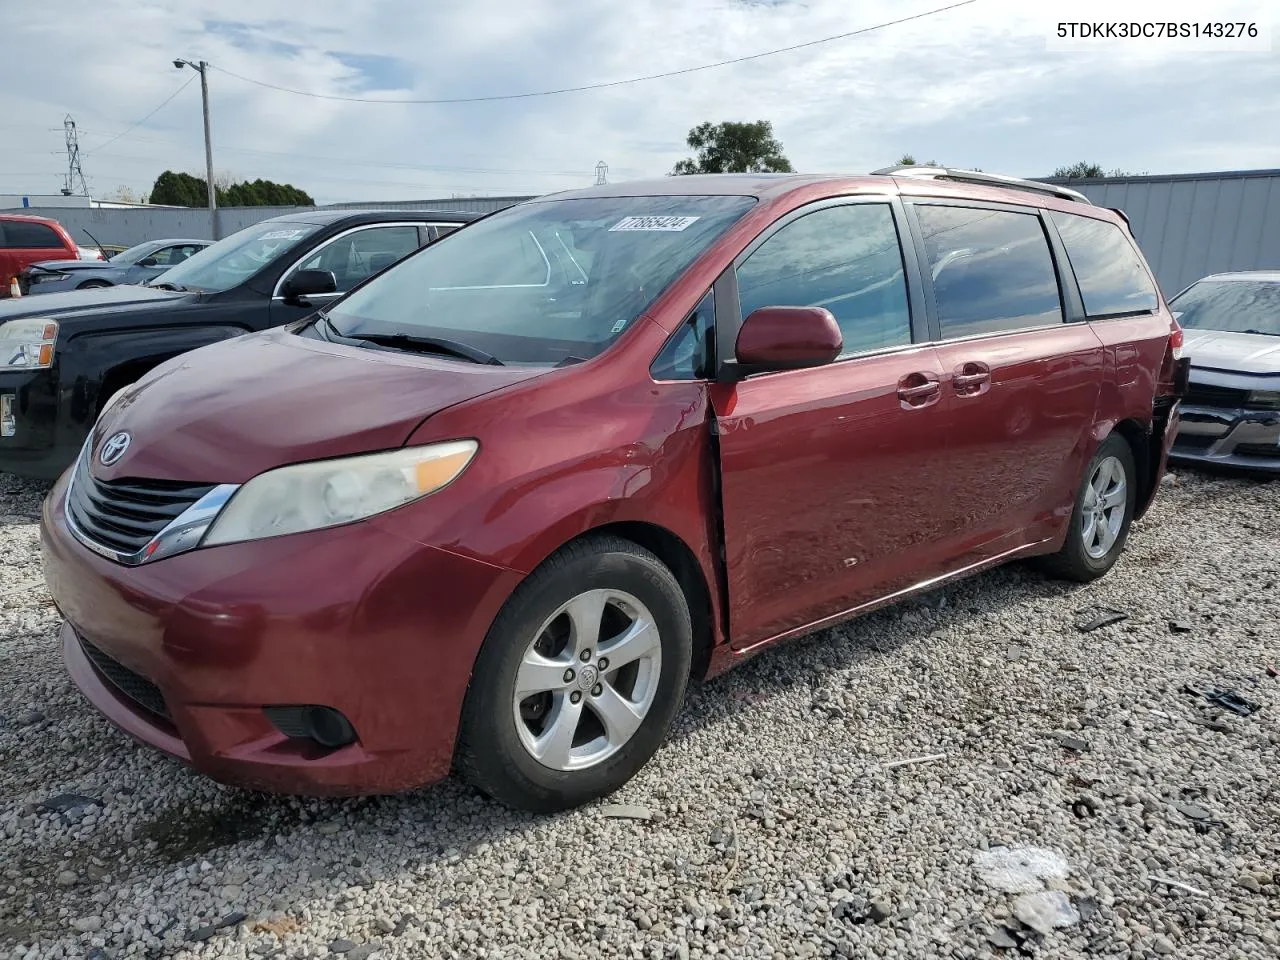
<point x="312" y="496"/>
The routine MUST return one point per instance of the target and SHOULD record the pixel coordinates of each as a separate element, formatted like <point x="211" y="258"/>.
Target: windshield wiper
<point x="1265" y="333"/>
<point x="406" y="341"/>
<point x="163" y="285"/>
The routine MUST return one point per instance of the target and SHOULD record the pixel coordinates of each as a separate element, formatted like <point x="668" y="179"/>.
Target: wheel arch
<point x="683" y="563"/>
<point x="1145" y="458"/>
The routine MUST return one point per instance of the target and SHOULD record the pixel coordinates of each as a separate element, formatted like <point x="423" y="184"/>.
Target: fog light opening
<point x="323" y="725"/>
<point x="328" y="727"/>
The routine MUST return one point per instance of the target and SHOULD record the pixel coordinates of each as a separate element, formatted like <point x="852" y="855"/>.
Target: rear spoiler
<point x="1123" y="216"/>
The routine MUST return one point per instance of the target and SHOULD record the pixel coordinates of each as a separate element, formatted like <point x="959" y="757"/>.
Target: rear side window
<point x="846" y="259"/>
<point x="1108" y="269"/>
<point x="21" y="235"/>
<point x="991" y="269"/>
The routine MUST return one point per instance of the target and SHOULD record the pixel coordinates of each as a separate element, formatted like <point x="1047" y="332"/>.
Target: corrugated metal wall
<point x="1191" y="225"/>
<point x="136" y="224"/>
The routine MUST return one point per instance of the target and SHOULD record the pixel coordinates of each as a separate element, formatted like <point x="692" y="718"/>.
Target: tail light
<point x="1175" y="339"/>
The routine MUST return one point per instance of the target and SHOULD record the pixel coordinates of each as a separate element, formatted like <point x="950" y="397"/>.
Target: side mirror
<point x="787" y="338"/>
<point x="148" y="262"/>
<point x="306" y="283"/>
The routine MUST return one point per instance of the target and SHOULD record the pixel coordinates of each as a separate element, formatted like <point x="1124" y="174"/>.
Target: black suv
<point x="63" y="355"/>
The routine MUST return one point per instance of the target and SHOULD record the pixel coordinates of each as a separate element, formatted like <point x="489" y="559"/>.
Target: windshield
<point x="234" y="259"/>
<point x="542" y="282"/>
<point x="1239" y="306"/>
<point x="134" y="254"/>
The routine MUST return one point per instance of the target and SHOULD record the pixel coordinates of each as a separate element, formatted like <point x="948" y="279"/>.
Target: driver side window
<point x="353" y="257"/>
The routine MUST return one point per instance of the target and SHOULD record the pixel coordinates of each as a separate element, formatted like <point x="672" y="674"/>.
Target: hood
<point x="98" y="301"/>
<point x="1235" y="352"/>
<point x="64" y="265"/>
<point x="226" y="412"/>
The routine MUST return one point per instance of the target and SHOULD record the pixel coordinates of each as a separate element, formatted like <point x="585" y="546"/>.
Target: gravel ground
<point x="1147" y="819"/>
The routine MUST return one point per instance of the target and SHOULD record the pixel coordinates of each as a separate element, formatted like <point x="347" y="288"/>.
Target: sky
<point x="976" y="86"/>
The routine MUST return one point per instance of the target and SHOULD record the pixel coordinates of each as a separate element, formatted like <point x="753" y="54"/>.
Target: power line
<point x="611" y="83"/>
<point x="164" y="103"/>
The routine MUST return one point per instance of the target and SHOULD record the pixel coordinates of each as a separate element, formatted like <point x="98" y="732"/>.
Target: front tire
<point x="93" y="285"/>
<point x="1101" y="517"/>
<point x="578" y="679"/>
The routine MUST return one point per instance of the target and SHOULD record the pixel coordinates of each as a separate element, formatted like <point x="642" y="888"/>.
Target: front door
<point x="1023" y="384"/>
<point x="831" y="478"/>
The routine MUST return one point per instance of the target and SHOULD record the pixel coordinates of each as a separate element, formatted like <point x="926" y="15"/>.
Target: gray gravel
<point x="1146" y="821"/>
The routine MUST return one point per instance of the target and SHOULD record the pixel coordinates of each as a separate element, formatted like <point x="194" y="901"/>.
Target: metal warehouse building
<point x="1193" y="224"/>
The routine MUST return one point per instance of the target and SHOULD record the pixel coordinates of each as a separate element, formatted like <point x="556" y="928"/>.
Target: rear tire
<point x="1101" y="517"/>
<point x="578" y="679"/>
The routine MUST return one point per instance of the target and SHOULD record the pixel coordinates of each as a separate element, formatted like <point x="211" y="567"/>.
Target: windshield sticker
<point x="282" y="234"/>
<point x="659" y="224"/>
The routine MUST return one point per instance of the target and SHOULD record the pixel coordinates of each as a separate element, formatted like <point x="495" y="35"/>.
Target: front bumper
<point x="29" y="444"/>
<point x="358" y="619"/>
<point x="1229" y="437"/>
<point x="30" y="283"/>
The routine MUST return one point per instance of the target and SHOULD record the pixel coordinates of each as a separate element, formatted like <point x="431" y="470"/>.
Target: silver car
<point x="138" y="264"/>
<point x="1231" y="414"/>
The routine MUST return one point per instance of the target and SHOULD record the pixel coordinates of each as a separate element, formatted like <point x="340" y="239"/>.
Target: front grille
<point x="1270" y="451"/>
<point x="123" y="515"/>
<point x="134" y="686"/>
<point x="1202" y="395"/>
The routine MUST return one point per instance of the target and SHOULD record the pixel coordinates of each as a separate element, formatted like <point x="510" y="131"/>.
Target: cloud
<point x="974" y="86"/>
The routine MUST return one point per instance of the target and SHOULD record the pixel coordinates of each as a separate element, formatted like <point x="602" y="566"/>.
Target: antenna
<point x="75" y="176"/>
<point x="602" y="173"/>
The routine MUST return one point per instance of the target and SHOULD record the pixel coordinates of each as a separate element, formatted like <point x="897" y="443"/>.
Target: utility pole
<point x="602" y="173"/>
<point x="203" y="68"/>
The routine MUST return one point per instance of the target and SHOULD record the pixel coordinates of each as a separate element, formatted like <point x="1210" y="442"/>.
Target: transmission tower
<point x="75" y="176"/>
<point x="602" y="173"/>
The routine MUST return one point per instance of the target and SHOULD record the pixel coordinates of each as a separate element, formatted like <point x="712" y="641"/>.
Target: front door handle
<point x="972" y="379"/>
<point x="919" y="390"/>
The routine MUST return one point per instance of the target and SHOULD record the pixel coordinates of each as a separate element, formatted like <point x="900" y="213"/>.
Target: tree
<point x="909" y="161"/>
<point x="184" y="190"/>
<point x="734" y="148"/>
<point x="125" y="194"/>
<point x="1082" y="171"/>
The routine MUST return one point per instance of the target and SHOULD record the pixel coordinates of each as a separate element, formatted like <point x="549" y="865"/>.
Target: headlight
<point x="311" y="496"/>
<point x="27" y="344"/>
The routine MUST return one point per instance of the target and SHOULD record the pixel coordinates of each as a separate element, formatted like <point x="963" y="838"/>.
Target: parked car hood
<point x="98" y="301"/>
<point x="226" y="412"/>
<point x="62" y="265"/>
<point x="1236" y="352"/>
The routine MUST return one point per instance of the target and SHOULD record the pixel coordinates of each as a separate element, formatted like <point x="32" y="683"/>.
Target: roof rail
<point x="987" y="179"/>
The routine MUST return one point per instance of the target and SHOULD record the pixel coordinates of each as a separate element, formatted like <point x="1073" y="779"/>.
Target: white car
<point x="1231" y="414"/>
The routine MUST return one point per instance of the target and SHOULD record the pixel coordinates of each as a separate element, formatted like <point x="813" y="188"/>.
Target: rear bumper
<point x="1222" y="437"/>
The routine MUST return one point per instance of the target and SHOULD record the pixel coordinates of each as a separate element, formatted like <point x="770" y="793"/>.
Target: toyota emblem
<point x="114" y="448"/>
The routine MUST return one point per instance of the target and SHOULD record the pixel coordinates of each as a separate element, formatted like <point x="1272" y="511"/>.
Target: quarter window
<point x="687" y="355"/>
<point x="991" y="270"/>
<point x="1108" y="269"/>
<point x="846" y="259"/>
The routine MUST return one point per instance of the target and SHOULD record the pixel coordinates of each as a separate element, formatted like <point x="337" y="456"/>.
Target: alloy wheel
<point x="587" y="680"/>
<point x="1102" y="513"/>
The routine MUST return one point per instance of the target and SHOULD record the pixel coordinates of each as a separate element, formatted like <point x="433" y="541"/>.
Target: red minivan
<point x="26" y="240"/>
<point x="490" y="511"/>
